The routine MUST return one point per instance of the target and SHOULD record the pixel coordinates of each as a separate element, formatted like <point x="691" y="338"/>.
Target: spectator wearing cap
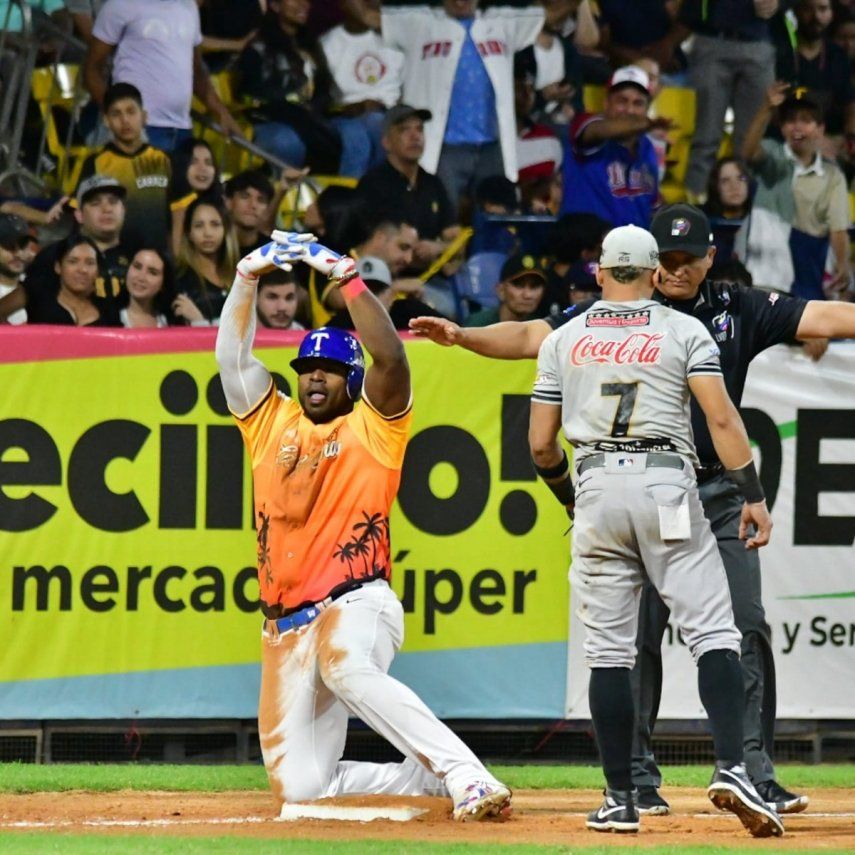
<point x="157" y="45"/>
<point x="100" y="215"/>
<point x="612" y="169"/>
<point x="520" y="290"/>
<point x="458" y="63"/>
<point x="731" y="64"/>
<point x="539" y="152"/>
<point x="366" y="81"/>
<point x="575" y="242"/>
<point x="401" y="185"/>
<point x="143" y="170"/>
<point x="249" y="197"/>
<point x="377" y="276"/>
<point x="14" y="237"/>
<point x="278" y="301"/>
<point x="819" y="65"/>
<point x="801" y="206"/>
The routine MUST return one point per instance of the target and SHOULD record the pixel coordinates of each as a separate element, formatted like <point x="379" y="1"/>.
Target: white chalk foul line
<point x="135" y="823"/>
<point x="291" y="813"/>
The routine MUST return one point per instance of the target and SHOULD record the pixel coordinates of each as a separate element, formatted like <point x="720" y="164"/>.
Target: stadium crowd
<point x="471" y="155"/>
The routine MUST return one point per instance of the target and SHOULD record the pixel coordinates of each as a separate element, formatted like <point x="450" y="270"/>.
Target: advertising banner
<point x="127" y="577"/>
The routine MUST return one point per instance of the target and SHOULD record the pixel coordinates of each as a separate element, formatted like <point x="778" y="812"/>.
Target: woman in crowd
<point x="150" y="299"/>
<point x="728" y="205"/>
<point x="194" y="173"/>
<point x="207" y="255"/>
<point x="283" y="71"/>
<point x="74" y="302"/>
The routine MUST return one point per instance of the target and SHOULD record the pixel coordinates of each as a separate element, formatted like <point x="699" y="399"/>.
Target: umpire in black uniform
<point x="743" y="322"/>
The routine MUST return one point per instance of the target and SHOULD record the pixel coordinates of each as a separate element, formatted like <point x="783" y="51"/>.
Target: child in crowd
<point x="801" y="207"/>
<point x="144" y="171"/>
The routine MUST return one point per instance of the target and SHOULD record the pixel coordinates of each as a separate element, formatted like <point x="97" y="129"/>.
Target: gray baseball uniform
<point x="620" y="373"/>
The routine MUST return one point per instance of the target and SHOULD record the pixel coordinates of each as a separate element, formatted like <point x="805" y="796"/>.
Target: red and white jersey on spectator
<point x="539" y="153"/>
<point x="432" y="41"/>
<point x="363" y="67"/>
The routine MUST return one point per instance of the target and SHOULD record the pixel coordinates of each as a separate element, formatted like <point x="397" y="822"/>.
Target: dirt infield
<point x="541" y="816"/>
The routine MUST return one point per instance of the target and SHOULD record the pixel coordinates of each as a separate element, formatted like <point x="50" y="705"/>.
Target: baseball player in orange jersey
<point x="326" y="470"/>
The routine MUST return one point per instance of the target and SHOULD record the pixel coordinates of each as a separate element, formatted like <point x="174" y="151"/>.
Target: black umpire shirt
<point x="742" y="321"/>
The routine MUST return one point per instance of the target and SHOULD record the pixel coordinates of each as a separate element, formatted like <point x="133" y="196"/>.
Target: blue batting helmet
<point x="333" y="345"/>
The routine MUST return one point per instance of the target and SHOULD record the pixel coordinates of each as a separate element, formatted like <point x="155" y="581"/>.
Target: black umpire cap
<point x="682" y="228"/>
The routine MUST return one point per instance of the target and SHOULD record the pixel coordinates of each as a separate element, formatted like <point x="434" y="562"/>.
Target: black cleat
<point x="617" y="813"/>
<point x="650" y="803"/>
<point x="779" y="799"/>
<point x="730" y="789"/>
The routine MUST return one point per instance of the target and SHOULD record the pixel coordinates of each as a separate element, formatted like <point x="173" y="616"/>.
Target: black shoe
<point x="779" y="799"/>
<point x="650" y="803"/>
<point x="617" y="813"/>
<point x="730" y="789"/>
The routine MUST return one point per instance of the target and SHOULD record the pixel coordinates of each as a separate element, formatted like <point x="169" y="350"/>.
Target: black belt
<point x="654" y="458"/>
<point x="731" y="35"/>
<point x="707" y="473"/>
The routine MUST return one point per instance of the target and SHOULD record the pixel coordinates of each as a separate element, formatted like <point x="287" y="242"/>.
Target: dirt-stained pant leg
<point x="312" y="679"/>
<point x="356" y="646"/>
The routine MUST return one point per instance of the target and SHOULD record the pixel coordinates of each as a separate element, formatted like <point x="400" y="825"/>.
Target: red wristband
<point x="352" y="289"/>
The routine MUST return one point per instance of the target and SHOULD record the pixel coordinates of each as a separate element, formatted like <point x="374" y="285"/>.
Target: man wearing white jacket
<point x="459" y="65"/>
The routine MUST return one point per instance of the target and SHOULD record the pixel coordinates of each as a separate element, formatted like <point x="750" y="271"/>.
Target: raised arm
<point x="827" y="319"/>
<point x="245" y="379"/>
<point x="506" y="340"/>
<point x="752" y="148"/>
<point x="387" y="380"/>
<point x="731" y="444"/>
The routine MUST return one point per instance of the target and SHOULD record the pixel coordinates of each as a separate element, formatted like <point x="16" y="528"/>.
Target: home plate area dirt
<point x="540" y="816"/>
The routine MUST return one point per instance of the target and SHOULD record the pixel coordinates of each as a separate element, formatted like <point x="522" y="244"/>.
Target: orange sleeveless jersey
<point x="322" y="496"/>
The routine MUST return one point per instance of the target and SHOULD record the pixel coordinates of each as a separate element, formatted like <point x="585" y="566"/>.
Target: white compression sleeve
<point x="245" y="379"/>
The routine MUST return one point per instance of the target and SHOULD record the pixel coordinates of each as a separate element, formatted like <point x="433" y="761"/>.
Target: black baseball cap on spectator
<point x="682" y="228"/>
<point x="801" y="100"/>
<point x="521" y="265"/>
<point x="581" y="276"/>
<point x="400" y="113"/>
<point x="98" y="184"/>
<point x="497" y="190"/>
<point x="14" y="231"/>
<point x="249" y="178"/>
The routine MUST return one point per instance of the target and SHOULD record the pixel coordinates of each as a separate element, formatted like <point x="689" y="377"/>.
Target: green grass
<point x="29" y="778"/>
<point x="90" y="844"/>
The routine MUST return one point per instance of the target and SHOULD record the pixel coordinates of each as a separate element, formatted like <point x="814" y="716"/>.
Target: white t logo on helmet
<point x="318" y="338"/>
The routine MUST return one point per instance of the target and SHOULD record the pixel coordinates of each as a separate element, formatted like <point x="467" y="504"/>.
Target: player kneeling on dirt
<point x="326" y="470"/>
<point x="617" y="380"/>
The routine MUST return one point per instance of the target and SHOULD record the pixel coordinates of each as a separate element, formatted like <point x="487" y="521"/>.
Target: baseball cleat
<point x="779" y="799"/>
<point x="482" y="800"/>
<point x="617" y="813"/>
<point x="730" y="789"/>
<point x="650" y="803"/>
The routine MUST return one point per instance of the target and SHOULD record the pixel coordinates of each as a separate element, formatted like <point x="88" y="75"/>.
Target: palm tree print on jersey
<point x="263" y="548"/>
<point x="367" y="536"/>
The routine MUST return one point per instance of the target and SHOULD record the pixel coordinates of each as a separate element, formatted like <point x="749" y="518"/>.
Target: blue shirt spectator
<point x="611" y="168"/>
<point x="472" y="112"/>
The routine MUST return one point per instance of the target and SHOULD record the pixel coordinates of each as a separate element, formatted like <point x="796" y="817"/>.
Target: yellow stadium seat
<point x="594" y="98"/>
<point x="295" y="201"/>
<point x="56" y="90"/>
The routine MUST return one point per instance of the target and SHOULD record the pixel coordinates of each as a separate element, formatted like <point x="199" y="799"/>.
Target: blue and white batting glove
<point x="339" y="268"/>
<point x="271" y="256"/>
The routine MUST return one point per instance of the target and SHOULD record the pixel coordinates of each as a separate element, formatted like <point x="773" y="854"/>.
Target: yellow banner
<point x="126" y="519"/>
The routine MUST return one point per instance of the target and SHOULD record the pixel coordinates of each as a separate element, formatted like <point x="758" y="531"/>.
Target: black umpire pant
<point x="723" y="506"/>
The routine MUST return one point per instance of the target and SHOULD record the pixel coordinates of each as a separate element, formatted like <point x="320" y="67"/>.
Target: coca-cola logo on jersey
<point x="637" y="349"/>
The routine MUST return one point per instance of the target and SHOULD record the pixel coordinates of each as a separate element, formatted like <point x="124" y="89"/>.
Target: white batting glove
<point x="339" y="268"/>
<point x="269" y="257"/>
